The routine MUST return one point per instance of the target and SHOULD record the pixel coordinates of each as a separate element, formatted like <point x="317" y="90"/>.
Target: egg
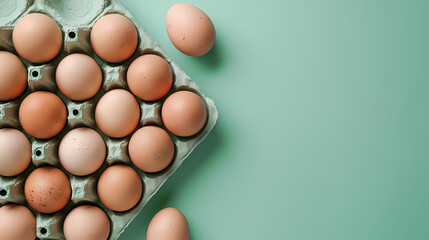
<point x="86" y="222"/>
<point x="82" y="151"/>
<point x="169" y="223"/>
<point x="119" y="188"/>
<point x="15" y="149"/>
<point x="117" y="113"/>
<point x="149" y="77"/>
<point x="184" y="113"/>
<point x="190" y="30"/>
<point x="114" y="38"/>
<point x="78" y="77"/>
<point x="47" y="189"/>
<point x="37" y="38"/>
<point x="17" y="223"/>
<point x="13" y="76"/>
<point x="151" y="149"/>
<point x="42" y="114"/>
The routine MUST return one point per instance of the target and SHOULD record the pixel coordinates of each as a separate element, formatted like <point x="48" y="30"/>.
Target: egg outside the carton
<point x="169" y="223"/>
<point x="190" y="29"/>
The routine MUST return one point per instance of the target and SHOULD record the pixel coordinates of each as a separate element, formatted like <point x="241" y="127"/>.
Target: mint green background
<point x="323" y="121"/>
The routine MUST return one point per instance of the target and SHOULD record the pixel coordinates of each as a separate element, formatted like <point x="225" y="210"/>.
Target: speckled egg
<point x="47" y="189"/>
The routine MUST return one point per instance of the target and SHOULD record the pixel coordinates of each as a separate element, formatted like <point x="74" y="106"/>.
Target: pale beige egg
<point x="78" y="77"/>
<point x="117" y="113"/>
<point x="82" y="151"/>
<point x="15" y="152"/>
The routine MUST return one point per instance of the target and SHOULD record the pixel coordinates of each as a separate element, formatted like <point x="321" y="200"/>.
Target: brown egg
<point x="190" y="30"/>
<point x="86" y="222"/>
<point x="13" y="76"/>
<point x="149" y="77"/>
<point x="17" y="223"/>
<point x="117" y="113"/>
<point x="119" y="188"/>
<point x="15" y="152"/>
<point x="169" y="223"/>
<point x="78" y="77"/>
<point x="47" y="189"/>
<point x="151" y="149"/>
<point x="37" y="38"/>
<point x="184" y="113"/>
<point x="42" y="114"/>
<point x="114" y="38"/>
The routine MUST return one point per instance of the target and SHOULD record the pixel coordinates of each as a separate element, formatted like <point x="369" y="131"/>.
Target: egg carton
<point x="76" y="19"/>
